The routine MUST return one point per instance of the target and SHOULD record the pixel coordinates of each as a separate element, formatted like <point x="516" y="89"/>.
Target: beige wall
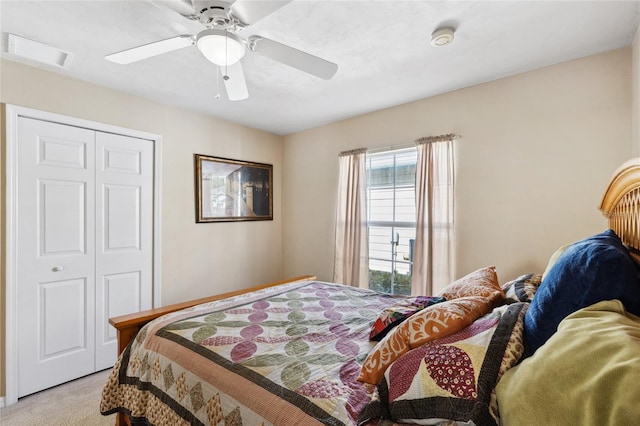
<point x="536" y="153"/>
<point x="197" y="259"/>
<point x="636" y="93"/>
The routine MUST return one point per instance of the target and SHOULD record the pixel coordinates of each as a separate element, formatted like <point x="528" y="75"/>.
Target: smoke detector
<point x="442" y="37"/>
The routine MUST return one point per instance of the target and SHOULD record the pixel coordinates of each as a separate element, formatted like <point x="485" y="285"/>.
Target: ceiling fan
<point x="220" y="43"/>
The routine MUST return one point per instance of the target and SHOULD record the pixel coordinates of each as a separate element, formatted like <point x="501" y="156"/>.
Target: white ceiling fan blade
<point x="293" y="57"/>
<point x="151" y="49"/>
<point x="183" y="7"/>
<point x="251" y="11"/>
<point x="234" y="82"/>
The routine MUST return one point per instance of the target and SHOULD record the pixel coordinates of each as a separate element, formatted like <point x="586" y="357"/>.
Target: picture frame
<point x="232" y="190"/>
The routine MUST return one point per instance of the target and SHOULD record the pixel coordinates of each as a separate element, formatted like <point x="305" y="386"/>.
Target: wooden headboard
<point x="621" y="205"/>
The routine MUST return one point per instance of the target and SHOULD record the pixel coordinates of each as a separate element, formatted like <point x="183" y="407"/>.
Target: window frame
<point x="393" y="225"/>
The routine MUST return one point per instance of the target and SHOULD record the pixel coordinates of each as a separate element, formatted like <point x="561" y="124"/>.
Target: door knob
<point x="57" y="268"/>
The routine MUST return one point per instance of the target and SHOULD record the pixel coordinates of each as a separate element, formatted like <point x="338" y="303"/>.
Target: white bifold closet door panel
<point x="124" y="202"/>
<point x="84" y="247"/>
<point x="56" y="254"/>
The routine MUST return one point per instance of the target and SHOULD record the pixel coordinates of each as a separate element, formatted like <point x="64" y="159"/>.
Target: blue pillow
<point x="589" y="271"/>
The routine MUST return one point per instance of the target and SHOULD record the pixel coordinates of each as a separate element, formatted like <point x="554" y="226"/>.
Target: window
<point x="391" y="223"/>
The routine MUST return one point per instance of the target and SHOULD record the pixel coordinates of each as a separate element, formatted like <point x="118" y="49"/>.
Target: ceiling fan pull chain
<point x="217" y="85"/>
<point x="226" y="54"/>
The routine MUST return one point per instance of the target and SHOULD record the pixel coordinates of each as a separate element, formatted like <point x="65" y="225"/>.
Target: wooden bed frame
<point x="620" y="204"/>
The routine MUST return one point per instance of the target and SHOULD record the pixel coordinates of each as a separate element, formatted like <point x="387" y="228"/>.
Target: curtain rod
<point x="439" y="138"/>
<point x="353" y="152"/>
<point x="413" y="144"/>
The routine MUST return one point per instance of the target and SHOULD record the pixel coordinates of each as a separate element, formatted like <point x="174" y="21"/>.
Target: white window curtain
<point x="433" y="263"/>
<point x="351" y="255"/>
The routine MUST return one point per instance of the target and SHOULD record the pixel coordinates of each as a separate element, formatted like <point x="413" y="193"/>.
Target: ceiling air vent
<point x="39" y="52"/>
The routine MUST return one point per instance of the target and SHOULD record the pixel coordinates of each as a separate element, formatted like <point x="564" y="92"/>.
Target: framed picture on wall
<point x="232" y="190"/>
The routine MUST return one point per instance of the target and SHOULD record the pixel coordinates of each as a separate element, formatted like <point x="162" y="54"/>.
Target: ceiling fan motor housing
<point x="213" y="12"/>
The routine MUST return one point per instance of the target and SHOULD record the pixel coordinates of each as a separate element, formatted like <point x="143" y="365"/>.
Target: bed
<point x="306" y="352"/>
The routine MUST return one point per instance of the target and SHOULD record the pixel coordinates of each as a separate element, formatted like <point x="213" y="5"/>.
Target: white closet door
<point x="55" y="247"/>
<point x="124" y="241"/>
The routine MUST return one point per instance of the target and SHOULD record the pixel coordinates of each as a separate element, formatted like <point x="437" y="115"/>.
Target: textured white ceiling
<point x="381" y="47"/>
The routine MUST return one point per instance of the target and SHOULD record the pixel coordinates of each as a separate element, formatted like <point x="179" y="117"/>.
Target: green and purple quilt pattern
<point x="303" y="342"/>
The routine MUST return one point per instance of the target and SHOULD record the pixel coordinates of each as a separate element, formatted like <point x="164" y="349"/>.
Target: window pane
<point x="380" y="245"/>
<point x="388" y="282"/>
<point x="405" y="204"/>
<point x="404" y="249"/>
<point x="381" y="204"/>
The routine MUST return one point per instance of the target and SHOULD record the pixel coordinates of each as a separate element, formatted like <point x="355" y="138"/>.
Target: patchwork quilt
<point x="283" y="355"/>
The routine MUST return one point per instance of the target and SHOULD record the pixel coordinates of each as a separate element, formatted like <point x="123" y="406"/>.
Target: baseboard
<point x="1" y="401"/>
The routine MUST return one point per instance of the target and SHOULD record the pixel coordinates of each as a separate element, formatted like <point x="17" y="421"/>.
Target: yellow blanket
<point x="588" y="373"/>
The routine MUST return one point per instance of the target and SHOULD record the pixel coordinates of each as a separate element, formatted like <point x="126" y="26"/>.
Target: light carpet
<point x="76" y="403"/>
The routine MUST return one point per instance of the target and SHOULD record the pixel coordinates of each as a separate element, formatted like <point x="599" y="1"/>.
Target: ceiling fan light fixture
<point x="442" y="37"/>
<point x="220" y="47"/>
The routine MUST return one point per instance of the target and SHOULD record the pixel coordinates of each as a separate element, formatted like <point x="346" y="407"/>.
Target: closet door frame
<point x="12" y="115"/>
